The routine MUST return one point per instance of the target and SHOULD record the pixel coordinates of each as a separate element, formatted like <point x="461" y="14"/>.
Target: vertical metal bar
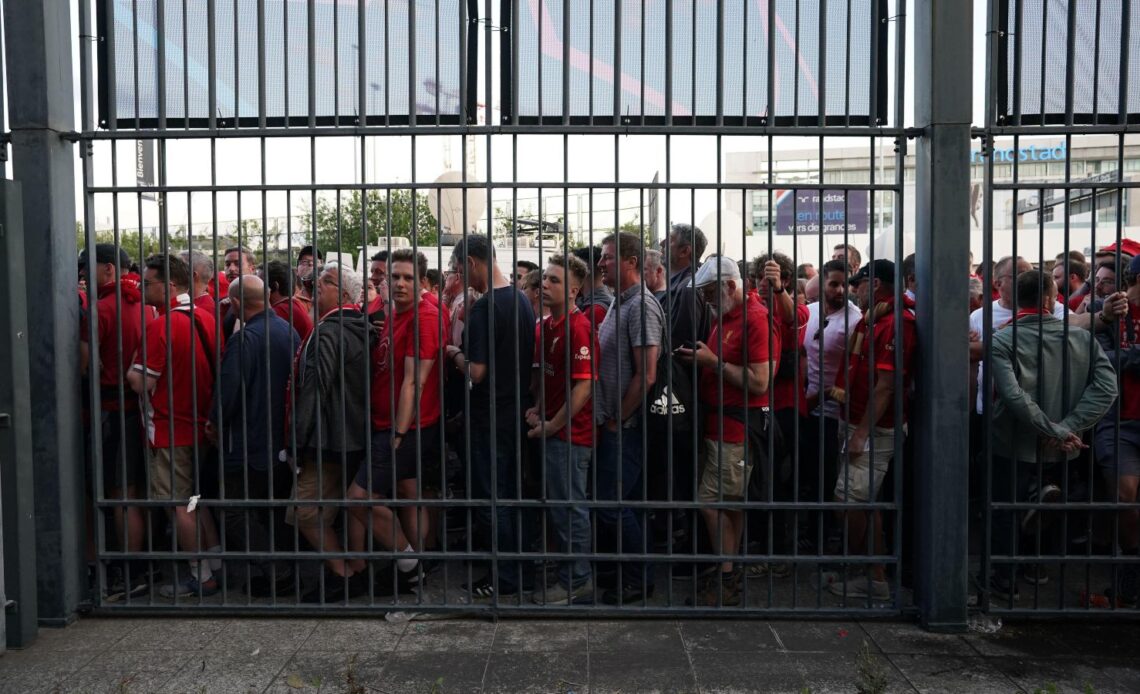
<point x="1070" y="51"/>
<point x="1125" y="48"/>
<point x="943" y="98"/>
<point x="160" y="67"/>
<point x="211" y="69"/>
<point x="261" y="73"/>
<point x="821" y="76"/>
<point x="719" y="75"/>
<point x="565" y="99"/>
<point x="311" y="93"/>
<point x="617" y="72"/>
<point x="668" y="83"/>
<point x="770" y="73"/>
<point x="412" y="106"/>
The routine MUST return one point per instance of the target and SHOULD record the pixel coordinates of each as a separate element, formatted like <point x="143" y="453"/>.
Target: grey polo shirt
<point x="634" y="320"/>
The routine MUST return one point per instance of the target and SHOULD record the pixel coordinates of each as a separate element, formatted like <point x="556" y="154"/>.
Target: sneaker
<point x="190" y="587"/>
<point x="557" y="594"/>
<point x="1034" y="574"/>
<point x="857" y="588"/>
<point x="1049" y="494"/>
<point x="774" y="569"/>
<point x="720" y="589"/>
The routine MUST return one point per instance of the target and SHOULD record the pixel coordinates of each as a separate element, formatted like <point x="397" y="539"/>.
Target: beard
<point x="723" y="304"/>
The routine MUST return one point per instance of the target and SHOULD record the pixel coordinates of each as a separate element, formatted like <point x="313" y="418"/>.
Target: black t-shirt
<point x="509" y="358"/>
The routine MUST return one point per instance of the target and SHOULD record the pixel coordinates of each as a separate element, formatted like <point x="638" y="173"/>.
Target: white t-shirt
<point x="1002" y="315"/>
<point x="833" y="340"/>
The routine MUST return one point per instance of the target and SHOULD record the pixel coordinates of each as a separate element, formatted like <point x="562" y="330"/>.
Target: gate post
<point x="943" y="36"/>
<point x="41" y="109"/>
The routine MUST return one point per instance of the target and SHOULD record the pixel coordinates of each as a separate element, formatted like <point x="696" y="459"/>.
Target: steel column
<point x="943" y="44"/>
<point x="41" y="108"/>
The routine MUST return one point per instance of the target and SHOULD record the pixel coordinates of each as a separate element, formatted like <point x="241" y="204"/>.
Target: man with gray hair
<point x="655" y="280"/>
<point x="735" y="362"/>
<point x="330" y="423"/>
<point x="202" y="272"/>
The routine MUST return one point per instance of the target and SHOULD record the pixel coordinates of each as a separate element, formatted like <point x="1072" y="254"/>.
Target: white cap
<point x="717" y="269"/>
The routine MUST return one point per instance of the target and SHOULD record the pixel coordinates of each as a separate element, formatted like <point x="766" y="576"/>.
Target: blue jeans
<point x="622" y="467"/>
<point x="567" y="470"/>
<point x="495" y="474"/>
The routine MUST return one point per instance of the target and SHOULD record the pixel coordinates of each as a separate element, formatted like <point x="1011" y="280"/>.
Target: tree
<point x="379" y="214"/>
<point x="138" y="248"/>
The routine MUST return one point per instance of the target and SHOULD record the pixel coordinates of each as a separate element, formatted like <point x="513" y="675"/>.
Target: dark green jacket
<point x="1032" y="402"/>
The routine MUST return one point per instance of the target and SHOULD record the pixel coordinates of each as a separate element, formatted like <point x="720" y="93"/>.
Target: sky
<point x="337" y="160"/>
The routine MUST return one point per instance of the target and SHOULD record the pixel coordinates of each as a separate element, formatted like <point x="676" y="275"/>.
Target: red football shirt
<point x="113" y="363"/>
<point x="397" y="342"/>
<point x="856" y="379"/>
<point x="727" y="339"/>
<point x="1129" y="382"/>
<point x="301" y="321"/>
<point x="206" y="303"/>
<point x="175" y="379"/>
<point x="550" y="355"/>
<point x="791" y="333"/>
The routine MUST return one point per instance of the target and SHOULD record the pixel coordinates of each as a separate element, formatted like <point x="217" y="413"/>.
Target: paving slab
<point x="86" y="635"/>
<point x="824" y="673"/>
<point x="948" y="673"/>
<point x="123" y="672"/>
<point x="569" y="636"/>
<point x="719" y="672"/>
<point x="354" y="635"/>
<point x="892" y="637"/>
<point x="227" y="673"/>
<point x="1125" y="672"/>
<point x="1063" y="674"/>
<point x="729" y="635"/>
<point x="251" y="635"/>
<point x="656" y="637"/>
<point x="440" y="672"/>
<point x="640" y="671"/>
<point x="821" y="637"/>
<point x="184" y="634"/>
<point x="525" y="671"/>
<point x="1022" y="640"/>
<point x="468" y="636"/>
<point x="324" y="671"/>
<point x="33" y="670"/>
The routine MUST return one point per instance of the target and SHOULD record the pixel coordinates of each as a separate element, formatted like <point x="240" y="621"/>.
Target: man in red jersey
<point x="175" y="378"/>
<point x="291" y="309"/>
<point x="201" y="274"/>
<point x="565" y="349"/>
<point x="774" y="276"/>
<point x="735" y="363"/>
<point x="119" y="314"/>
<point x="405" y="415"/>
<point x="869" y="431"/>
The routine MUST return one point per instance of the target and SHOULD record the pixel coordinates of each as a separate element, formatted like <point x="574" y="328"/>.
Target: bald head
<point x="248" y="292"/>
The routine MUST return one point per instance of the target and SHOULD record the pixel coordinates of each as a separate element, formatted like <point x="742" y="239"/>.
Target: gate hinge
<point x="10" y="607"/>
<point x="5" y="420"/>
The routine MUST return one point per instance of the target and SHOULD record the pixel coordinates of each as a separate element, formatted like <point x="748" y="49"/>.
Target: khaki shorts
<point x="161" y="484"/>
<point x="724" y="471"/>
<point x="309" y="487"/>
<point x="862" y="473"/>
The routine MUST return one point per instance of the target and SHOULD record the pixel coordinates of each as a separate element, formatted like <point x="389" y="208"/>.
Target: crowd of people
<point x="623" y="408"/>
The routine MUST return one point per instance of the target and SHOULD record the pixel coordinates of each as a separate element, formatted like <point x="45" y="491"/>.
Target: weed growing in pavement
<point x="870" y="673"/>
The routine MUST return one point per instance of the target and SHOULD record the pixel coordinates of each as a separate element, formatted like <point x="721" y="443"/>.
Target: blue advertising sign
<point x="801" y="212"/>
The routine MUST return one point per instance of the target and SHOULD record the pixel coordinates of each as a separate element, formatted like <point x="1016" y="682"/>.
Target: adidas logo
<point x="666" y="403"/>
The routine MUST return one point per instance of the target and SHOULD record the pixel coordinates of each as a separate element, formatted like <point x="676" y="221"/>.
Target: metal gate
<point x="1054" y="168"/>
<point x="473" y="147"/>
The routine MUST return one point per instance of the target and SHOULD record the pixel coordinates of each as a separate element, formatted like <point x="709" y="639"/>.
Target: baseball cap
<point x="882" y="270"/>
<point x="717" y="269"/>
<point x="1128" y="246"/>
<point x="107" y="253"/>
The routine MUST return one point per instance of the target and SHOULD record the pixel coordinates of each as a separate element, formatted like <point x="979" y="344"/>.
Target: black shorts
<point x="402" y="462"/>
<point x="124" y="451"/>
